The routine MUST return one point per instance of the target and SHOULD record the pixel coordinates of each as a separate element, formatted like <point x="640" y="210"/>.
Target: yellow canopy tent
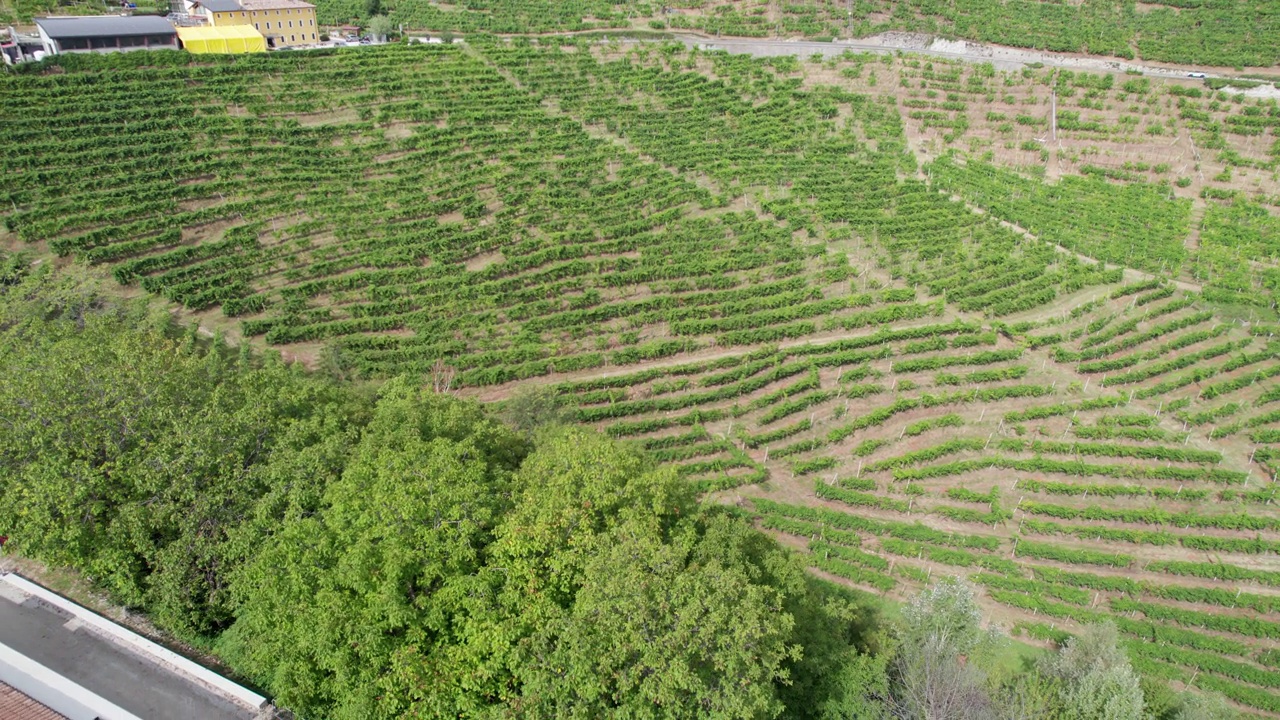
<point x="222" y="39"/>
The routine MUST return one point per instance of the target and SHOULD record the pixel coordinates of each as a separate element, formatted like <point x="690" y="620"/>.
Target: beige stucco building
<point x="284" y="23"/>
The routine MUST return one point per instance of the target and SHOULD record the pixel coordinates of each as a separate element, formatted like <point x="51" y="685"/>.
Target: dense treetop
<point x="390" y="554"/>
<point x="400" y="553"/>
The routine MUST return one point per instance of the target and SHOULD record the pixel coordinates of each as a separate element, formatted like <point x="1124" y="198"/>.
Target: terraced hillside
<point x="743" y="267"/>
<point x="1233" y="34"/>
<point x="1181" y="31"/>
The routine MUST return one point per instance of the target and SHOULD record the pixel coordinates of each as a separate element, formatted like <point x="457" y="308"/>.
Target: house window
<point x="293" y="38"/>
<point x="290" y="23"/>
<point x="255" y="26"/>
<point x="313" y="36"/>
<point x="313" y="22"/>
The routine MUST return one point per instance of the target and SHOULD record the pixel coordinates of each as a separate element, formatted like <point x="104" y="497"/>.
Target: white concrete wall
<point x="50" y="47"/>
<point x="11" y="583"/>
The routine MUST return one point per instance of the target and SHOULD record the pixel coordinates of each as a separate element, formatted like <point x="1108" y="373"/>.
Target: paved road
<point x="137" y="685"/>
<point x="1001" y="57"/>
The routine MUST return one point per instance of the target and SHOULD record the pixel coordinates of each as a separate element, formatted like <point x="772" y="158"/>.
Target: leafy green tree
<point x="680" y="629"/>
<point x="1097" y="646"/>
<point x="381" y="27"/>
<point x="932" y="681"/>
<point x="569" y="494"/>
<point x="947" y="611"/>
<point x="127" y="451"/>
<point x="843" y="673"/>
<point x="1096" y="679"/>
<point x="1028" y="695"/>
<point x="1205" y="706"/>
<point x="609" y="592"/>
<point x="858" y="688"/>
<point x="398" y="537"/>
<point x="1104" y="694"/>
<point x="575" y="486"/>
<point x="534" y="408"/>
<point x="1160" y="701"/>
<point x="398" y="556"/>
<point x="936" y="666"/>
<point x="13" y="267"/>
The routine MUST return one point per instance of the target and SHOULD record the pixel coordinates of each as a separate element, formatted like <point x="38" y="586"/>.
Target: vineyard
<point x="1231" y="34"/>
<point x="902" y="369"/>
<point x="1173" y="177"/>
<point x="1178" y="31"/>
<point x="1181" y="31"/>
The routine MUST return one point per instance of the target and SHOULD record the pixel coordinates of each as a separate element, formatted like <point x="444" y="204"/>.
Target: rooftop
<point x="274" y="4"/>
<point x="220" y="5"/>
<point x="104" y="26"/>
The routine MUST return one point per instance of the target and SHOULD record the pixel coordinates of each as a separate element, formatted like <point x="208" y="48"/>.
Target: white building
<point x="106" y="33"/>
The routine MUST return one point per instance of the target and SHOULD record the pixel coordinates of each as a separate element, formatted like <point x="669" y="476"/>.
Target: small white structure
<point x="206" y="8"/>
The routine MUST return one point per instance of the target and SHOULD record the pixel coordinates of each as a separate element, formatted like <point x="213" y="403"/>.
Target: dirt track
<point x="1004" y="58"/>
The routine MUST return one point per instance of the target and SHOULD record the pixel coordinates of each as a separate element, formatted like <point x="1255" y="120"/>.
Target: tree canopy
<point x="399" y="553"/>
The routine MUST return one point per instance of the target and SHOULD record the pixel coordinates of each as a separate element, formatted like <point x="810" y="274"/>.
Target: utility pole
<point x="1053" y="107"/>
